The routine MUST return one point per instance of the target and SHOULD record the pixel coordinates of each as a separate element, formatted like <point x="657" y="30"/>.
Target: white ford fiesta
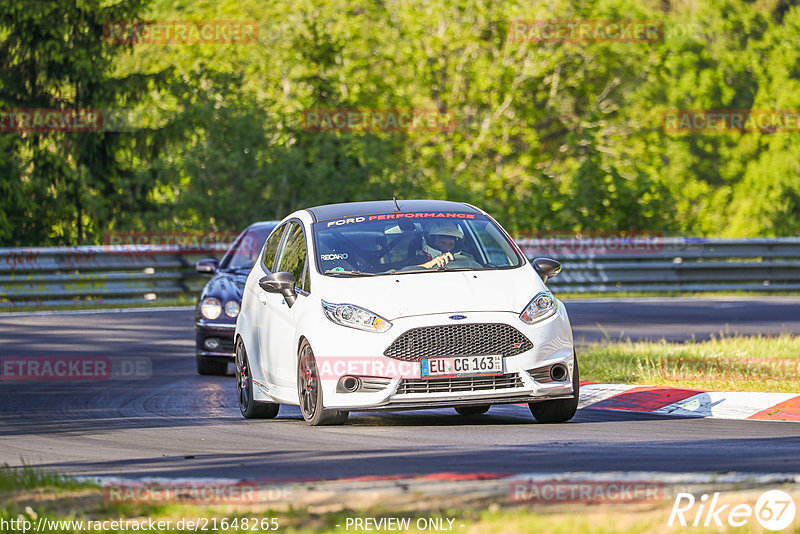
<point x="397" y="305"/>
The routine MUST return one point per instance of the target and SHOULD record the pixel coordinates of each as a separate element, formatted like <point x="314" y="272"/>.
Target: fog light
<point x="348" y="384"/>
<point x="558" y="372"/>
<point x="211" y="343"/>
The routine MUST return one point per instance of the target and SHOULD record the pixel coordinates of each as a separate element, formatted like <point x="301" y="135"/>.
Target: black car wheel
<point x="473" y="410"/>
<point x="249" y="407"/>
<point x="559" y="411"/>
<point x="309" y="391"/>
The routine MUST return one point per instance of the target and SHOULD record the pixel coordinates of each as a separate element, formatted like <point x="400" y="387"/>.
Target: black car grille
<point x="460" y="385"/>
<point x="458" y="340"/>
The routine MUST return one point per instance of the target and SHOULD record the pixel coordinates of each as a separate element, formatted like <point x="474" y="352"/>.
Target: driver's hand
<point x="439" y="261"/>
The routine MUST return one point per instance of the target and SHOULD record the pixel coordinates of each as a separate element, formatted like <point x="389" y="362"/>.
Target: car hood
<point x="406" y="295"/>
<point x="225" y="286"/>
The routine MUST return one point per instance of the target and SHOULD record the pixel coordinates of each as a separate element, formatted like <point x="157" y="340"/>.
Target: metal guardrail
<point x="121" y="274"/>
<point x="109" y="274"/>
<point x="658" y="264"/>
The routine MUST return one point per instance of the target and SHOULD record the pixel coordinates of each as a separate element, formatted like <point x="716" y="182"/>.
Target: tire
<point x="559" y="411"/>
<point x="309" y="391"/>
<point x="211" y="366"/>
<point x="473" y="410"/>
<point x="250" y="408"/>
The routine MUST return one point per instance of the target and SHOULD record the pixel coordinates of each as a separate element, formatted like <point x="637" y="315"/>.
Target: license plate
<point x="461" y="366"/>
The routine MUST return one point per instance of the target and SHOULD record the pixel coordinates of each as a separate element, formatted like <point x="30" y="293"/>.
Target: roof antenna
<point x="395" y="204"/>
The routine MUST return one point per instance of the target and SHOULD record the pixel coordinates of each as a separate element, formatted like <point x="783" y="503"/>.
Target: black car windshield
<point x="389" y="243"/>
<point x="245" y="250"/>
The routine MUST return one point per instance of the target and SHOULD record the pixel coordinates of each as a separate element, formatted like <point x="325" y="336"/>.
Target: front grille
<point x="460" y="385"/>
<point x="458" y="340"/>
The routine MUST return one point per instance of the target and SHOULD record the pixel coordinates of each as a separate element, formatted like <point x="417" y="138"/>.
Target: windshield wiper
<point x="433" y="270"/>
<point x="421" y="270"/>
<point x="351" y="273"/>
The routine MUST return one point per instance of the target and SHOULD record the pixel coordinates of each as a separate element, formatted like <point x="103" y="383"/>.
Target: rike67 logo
<point x="774" y="510"/>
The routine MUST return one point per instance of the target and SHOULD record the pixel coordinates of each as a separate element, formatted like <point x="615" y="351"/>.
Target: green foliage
<point x="548" y="135"/>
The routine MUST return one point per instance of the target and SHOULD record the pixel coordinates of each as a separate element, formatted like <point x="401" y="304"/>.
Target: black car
<point x="218" y="305"/>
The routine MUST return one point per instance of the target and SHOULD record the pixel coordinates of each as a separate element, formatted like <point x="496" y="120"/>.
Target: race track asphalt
<point x="178" y="424"/>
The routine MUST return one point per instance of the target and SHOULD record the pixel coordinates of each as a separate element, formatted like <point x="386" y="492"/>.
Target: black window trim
<point x="280" y="228"/>
<point x="300" y="290"/>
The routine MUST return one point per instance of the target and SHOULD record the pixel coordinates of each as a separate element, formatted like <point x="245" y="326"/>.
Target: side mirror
<point x="283" y="283"/>
<point x="207" y="266"/>
<point x="546" y="268"/>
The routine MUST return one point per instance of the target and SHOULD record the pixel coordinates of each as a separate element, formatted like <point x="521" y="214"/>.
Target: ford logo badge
<point x="457" y="317"/>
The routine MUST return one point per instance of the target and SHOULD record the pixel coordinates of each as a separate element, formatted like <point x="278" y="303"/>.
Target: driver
<point x="443" y="242"/>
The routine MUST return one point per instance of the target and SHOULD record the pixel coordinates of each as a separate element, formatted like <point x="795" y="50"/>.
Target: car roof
<point x="262" y="224"/>
<point x="349" y="209"/>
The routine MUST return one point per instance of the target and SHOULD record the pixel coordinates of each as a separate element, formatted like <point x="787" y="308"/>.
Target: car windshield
<point x="245" y="250"/>
<point x="390" y="243"/>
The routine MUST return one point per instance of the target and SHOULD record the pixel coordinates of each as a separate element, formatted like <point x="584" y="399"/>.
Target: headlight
<point x="355" y="317"/>
<point x="231" y="308"/>
<point x="210" y="308"/>
<point x="541" y="307"/>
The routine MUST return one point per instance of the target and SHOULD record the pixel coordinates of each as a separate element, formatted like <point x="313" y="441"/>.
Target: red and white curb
<point x="691" y="402"/>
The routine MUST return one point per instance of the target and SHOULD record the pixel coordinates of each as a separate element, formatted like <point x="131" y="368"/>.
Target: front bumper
<point x="521" y="382"/>
<point x="223" y="332"/>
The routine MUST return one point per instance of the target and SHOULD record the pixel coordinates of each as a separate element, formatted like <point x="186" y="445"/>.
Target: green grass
<point x="96" y="305"/>
<point x="26" y="477"/>
<point x="741" y="363"/>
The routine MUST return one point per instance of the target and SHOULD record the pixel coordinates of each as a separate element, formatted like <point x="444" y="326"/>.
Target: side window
<point x="293" y="254"/>
<point x="271" y="247"/>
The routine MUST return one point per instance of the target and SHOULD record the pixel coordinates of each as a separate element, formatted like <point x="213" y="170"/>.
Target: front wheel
<point x="559" y="411"/>
<point x="250" y="408"/>
<point x="309" y="391"/>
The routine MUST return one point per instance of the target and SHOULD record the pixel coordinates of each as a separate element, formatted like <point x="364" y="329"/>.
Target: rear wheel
<point x="309" y="392"/>
<point x="250" y="408"/>
<point x="473" y="410"/>
<point x="559" y="411"/>
<point x="211" y="366"/>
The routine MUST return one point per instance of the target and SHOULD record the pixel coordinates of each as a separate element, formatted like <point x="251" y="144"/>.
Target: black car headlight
<point x="541" y="307"/>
